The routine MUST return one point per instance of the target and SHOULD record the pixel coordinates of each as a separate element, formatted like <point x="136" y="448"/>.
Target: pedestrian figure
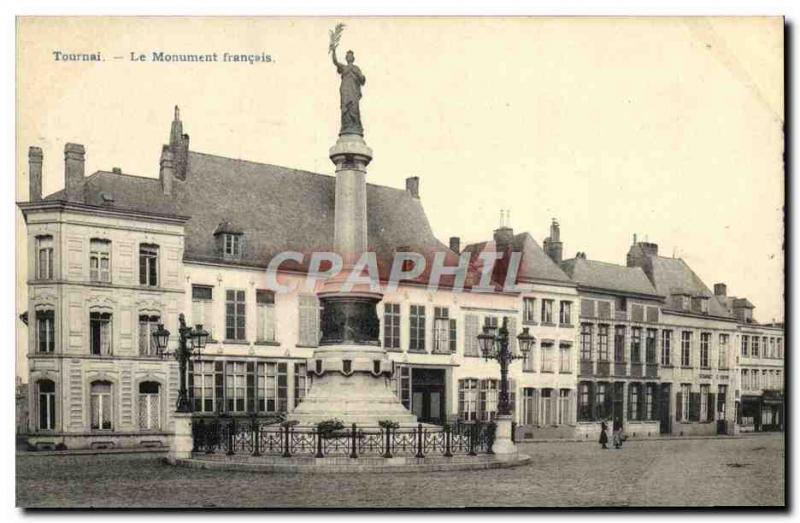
<point x="603" y="435"/>
<point x="617" y="426"/>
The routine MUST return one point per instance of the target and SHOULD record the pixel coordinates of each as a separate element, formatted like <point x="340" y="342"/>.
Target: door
<point x="428" y="397"/>
<point x="663" y="408"/>
<point x="619" y="404"/>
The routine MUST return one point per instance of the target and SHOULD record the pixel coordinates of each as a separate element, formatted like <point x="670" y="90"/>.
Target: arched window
<point x="149" y="405"/>
<point x="46" y="405"/>
<point x="101" y="405"/>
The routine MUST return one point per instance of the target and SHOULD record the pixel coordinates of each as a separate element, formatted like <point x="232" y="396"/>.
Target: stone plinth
<point x="181" y="447"/>
<point x="503" y="446"/>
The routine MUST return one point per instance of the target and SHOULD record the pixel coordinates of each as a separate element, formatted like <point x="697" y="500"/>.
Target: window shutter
<point x="712" y="406"/>
<point x="482" y="400"/>
<point x="642" y="400"/>
<point x="471" y="331"/>
<point x="512" y="396"/>
<point x="608" y="402"/>
<point x="679" y="406"/>
<point x="251" y="386"/>
<point x="592" y="406"/>
<point x="694" y="406"/>
<point x="309" y="318"/>
<point x="512" y="335"/>
<point x="453" y="335"/>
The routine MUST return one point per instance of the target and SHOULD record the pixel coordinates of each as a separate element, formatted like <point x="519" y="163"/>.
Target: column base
<point x="503" y="446"/>
<point x="182" y="441"/>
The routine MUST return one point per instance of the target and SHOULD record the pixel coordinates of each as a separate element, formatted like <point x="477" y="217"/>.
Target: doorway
<point x="619" y="403"/>
<point x="665" y="418"/>
<point x="428" y="395"/>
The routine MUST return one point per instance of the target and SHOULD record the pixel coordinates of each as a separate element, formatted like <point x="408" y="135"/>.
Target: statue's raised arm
<point x="350" y="88"/>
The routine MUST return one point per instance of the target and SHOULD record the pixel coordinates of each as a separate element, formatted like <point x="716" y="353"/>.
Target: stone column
<point x="181" y="447"/>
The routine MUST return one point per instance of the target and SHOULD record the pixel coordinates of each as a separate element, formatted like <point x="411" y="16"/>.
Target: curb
<point x="656" y="438"/>
<point x="91" y="452"/>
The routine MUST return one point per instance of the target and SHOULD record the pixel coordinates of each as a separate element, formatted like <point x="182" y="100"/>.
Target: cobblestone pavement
<point x="740" y="471"/>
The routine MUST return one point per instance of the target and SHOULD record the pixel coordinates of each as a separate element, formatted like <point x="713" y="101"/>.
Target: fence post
<point x="212" y="436"/>
<point x="388" y="453"/>
<point x="197" y="433"/>
<point x="419" y="441"/>
<point x="256" y="436"/>
<point x="286" y="452"/>
<point x="354" y="443"/>
<point x="319" y="444"/>
<point x="231" y="436"/>
<point x="472" y="431"/>
<point x="447" y="441"/>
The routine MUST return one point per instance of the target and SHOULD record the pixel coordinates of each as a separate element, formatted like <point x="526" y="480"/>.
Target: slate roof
<point x="608" y="276"/>
<point x="276" y="208"/>
<point x="673" y="275"/>
<point x="535" y="265"/>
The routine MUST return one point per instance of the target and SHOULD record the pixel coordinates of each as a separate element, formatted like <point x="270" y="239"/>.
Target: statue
<point x="350" y="88"/>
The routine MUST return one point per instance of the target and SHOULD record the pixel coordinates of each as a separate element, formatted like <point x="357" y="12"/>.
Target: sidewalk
<point x="92" y="452"/>
<point x="654" y="439"/>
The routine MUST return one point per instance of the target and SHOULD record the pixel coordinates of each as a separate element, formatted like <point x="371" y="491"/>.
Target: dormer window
<point x="233" y="245"/>
<point x="230" y="241"/>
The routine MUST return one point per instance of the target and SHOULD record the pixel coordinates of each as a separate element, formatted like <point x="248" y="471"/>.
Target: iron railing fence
<point x="258" y="437"/>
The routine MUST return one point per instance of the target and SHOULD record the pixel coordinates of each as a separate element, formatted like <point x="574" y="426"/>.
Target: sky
<point x="668" y="128"/>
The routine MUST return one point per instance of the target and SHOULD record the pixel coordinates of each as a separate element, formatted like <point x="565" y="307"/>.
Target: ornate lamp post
<point x="495" y="347"/>
<point x="191" y="341"/>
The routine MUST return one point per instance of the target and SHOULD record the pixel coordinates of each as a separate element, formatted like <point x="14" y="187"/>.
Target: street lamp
<point x="191" y="341"/>
<point x="495" y="347"/>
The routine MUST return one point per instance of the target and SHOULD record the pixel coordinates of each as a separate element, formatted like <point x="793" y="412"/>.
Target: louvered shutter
<point x="471" y="331"/>
<point x="512" y="397"/>
<point x="251" y="386"/>
<point x="679" y="406"/>
<point x="309" y="321"/>
<point x="512" y="335"/>
<point x="535" y="399"/>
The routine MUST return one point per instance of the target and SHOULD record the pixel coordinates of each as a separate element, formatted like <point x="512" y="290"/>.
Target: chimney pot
<point x="116" y="170"/>
<point x="455" y="244"/>
<point x="412" y="186"/>
<point x="74" y="169"/>
<point x="35" y="173"/>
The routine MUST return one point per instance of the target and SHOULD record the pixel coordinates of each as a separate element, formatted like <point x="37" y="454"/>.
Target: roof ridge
<point x="129" y="175"/>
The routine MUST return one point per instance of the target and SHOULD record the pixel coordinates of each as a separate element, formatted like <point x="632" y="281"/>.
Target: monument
<point x="350" y="369"/>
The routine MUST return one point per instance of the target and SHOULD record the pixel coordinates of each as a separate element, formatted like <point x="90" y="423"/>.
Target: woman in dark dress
<point x="603" y="435"/>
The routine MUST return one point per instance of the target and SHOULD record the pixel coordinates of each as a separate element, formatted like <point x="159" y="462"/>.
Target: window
<point x="468" y="399"/>
<point x="547" y="356"/>
<point x="666" y="347"/>
<point x="602" y="353"/>
<point x="565" y="359"/>
<point x="705" y="338"/>
<point x="586" y="341"/>
<point x="272" y="387"/>
<point x="634" y="393"/>
<point x="547" y="312"/>
<point x="779" y="347"/>
<point x="391" y="326"/>
<point x="417" y="328"/>
<point x="587" y="308"/>
<point x="745" y="380"/>
<point x="234" y="315"/>
<point x="491" y="322"/>
<point x="147" y="326"/>
<point x="300" y="383"/>
<point x="530" y="406"/>
<point x="46" y="405"/>
<point x="233" y="245"/>
<point x="565" y="313"/>
<point x="636" y="344"/>
<point x="548" y="416"/>
<point x="45" y="331"/>
<point x="649" y="401"/>
<point x="100" y="329"/>
<point x="722" y="394"/>
<point x="755" y="349"/>
<point x="528" y="361"/>
<point x="705" y="410"/>
<point x="100" y="260"/>
<point x="564" y="413"/>
<point x="487" y="400"/>
<point x="529" y="310"/>
<point x="621" y="304"/>
<point x="148" y="265"/>
<point x="236" y="386"/>
<point x="584" y="401"/>
<point x="444" y="331"/>
<point x="44" y="258"/>
<point x="619" y="343"/>
<point x="683" y="402"/>
<point x="309" y="320"/>
<point x="402" y="385"/>
<point x="745" y="343"/>
<point x="265" y="314"/>
<point x="650" y="346"/>
<point x="206" y="385"/>
<point x="202" y="307"/>
<point x="686" y="349"/>
<point x="601" y="399"/>
<point x="723" y="351"/>
<point x="149" y="406"/>
<point x="772" y="347"/>
<point x="100" y="405"/>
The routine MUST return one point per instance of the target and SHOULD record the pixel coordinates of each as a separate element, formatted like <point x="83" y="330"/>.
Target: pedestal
<point x="182" y="443"/>
<point x="503" y="446"/>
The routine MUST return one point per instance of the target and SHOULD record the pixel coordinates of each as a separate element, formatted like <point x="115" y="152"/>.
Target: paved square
<point x="709" y="472"/>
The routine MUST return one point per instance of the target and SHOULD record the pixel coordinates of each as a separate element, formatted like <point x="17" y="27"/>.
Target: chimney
<point x="179" y="145"/>
<point x="167" y="171"/>
<point x="503" y="238"/>
<point x="553" y="246"/>
<point x="116" y="170"/>
<point x="455" y="244"/>
<point x="74" y="157"/>
<point x="412" y="186"/>
<point x="720" y="289"/>
<point x="35" y="173"/>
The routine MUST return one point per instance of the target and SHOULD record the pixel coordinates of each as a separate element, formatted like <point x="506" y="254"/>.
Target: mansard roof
<point x="609" y="277"/>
